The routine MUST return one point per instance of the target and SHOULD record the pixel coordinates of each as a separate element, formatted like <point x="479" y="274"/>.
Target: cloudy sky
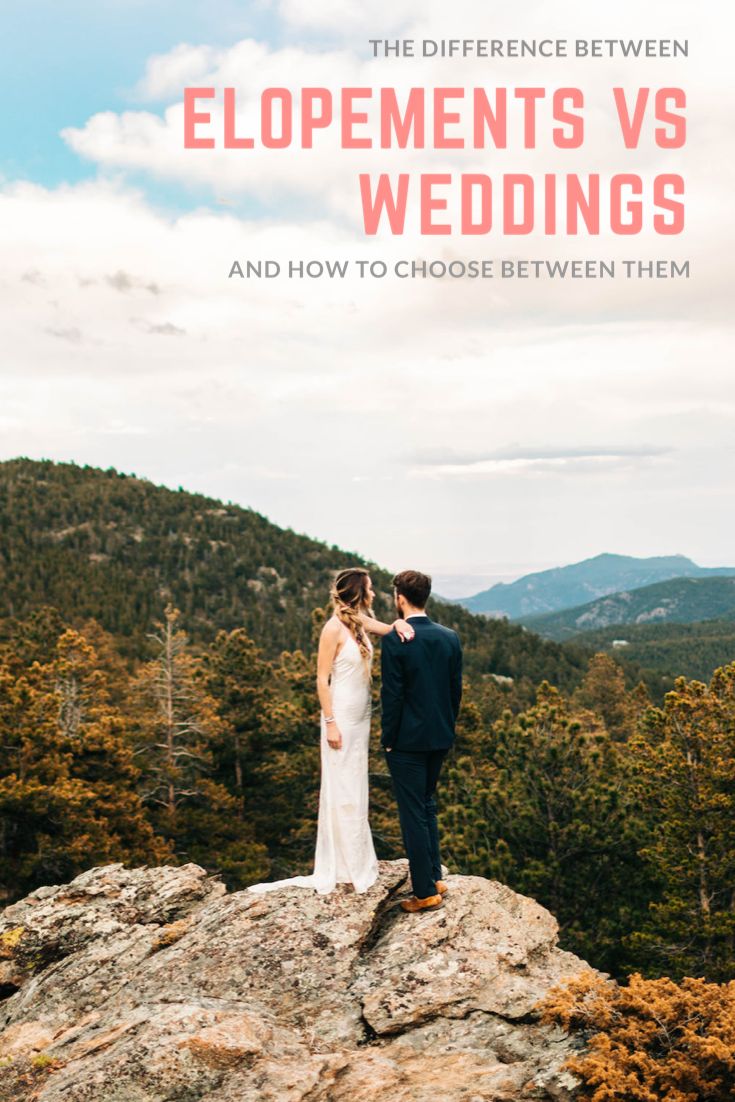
<point x="474" y="428"/>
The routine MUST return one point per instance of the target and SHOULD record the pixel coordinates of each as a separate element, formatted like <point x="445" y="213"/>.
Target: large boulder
<point x="155" y="985"/>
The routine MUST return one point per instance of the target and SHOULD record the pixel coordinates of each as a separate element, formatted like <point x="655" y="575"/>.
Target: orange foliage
<point x="651" y="1040"/>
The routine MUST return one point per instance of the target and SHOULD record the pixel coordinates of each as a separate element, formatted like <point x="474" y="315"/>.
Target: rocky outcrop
<point x="155" y="985"/>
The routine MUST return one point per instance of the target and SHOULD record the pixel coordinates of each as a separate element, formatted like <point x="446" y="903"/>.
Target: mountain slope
<point x="579" y="583"/>
<point x="693" y="650"/>
<point x="680" y="600"/>
<point x="100" y="544"/>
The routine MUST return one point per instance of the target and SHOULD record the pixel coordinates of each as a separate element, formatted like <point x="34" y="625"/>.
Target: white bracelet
<point x="329" y="719"/>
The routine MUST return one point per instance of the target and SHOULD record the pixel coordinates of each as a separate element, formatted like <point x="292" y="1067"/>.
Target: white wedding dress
<point x="344" y="844"/>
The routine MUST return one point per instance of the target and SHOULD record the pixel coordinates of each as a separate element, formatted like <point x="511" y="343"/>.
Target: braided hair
<point x="349" y="598"/>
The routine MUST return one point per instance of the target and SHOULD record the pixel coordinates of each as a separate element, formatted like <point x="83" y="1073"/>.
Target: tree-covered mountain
<point x="680" y="600"/>
<point x="613" y="810"/>
<point x="116" y="548"/>
<point x="693" y="650"/>
<point x="577" y="584"/>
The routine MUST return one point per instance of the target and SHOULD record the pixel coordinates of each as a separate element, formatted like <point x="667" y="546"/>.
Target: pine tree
<point x="286" y="777"/>
<point x="603" y="691"/>
<point x="538" y="805"/>
<point x="683" y="774"/>
<point x="67" y="778"/>
<point x="178" y="728"/>
<point x="241" y="684"/>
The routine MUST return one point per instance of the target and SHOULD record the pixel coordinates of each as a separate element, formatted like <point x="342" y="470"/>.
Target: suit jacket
<point x="422" y="687"/>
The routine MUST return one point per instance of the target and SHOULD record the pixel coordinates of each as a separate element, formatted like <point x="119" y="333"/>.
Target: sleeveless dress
<point x="344" y="844"/>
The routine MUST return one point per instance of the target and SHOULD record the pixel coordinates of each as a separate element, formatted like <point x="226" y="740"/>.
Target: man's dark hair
<point x="414" y="586"/>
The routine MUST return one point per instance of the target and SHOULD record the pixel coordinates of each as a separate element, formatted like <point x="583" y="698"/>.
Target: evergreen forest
<point x="157" y="704"/>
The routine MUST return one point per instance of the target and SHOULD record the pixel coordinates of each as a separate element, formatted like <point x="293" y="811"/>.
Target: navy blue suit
<point x="420" y="699"/>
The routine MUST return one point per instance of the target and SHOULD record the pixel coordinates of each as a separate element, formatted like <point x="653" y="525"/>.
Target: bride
<point x="344" y="843"/>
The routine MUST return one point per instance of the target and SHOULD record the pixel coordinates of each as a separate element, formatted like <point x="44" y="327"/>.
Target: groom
<point x="420" y="698"/>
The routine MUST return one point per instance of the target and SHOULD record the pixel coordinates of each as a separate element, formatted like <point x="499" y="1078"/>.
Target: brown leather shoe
<point x="442" y="887"/>
<point x="429" y="904"/>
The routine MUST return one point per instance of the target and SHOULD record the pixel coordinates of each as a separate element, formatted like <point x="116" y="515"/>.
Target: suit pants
<point x="415" y="775"/>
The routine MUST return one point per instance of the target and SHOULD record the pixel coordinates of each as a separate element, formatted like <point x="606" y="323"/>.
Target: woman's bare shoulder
<point x="333" y="628"/>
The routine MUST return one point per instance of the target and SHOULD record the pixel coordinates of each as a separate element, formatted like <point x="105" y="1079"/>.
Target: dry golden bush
<point x="650" y="1040"/>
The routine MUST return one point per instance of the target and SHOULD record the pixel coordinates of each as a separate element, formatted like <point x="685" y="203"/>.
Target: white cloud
<point x="348" y="18"/>
<point x="166" y="74"/>
<point x="563" y="418"/>
<point x="281" y="394"/>
<point x="320" y="186"/>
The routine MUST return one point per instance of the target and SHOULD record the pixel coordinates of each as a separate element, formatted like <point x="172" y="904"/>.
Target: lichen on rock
<point x="155" y="985"/>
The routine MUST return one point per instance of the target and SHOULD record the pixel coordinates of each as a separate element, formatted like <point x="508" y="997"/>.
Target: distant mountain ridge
<point x="679" y="600"/>
<point x="570" y="586"/>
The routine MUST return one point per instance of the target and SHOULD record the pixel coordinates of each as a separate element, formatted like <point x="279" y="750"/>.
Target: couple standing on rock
<point x="421" y="665"/>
